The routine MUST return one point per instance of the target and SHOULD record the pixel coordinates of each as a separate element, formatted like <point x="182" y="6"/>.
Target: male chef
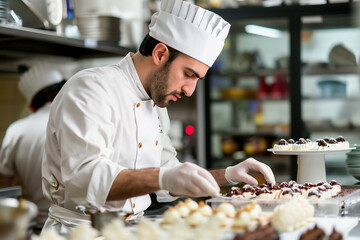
<point x="107" y="138"/>
<point x="23" y="144"/>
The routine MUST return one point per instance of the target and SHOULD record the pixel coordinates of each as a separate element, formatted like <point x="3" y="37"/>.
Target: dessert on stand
<point x="311" y="155"/>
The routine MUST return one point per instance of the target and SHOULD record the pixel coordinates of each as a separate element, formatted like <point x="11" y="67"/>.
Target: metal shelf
<point x="255" y="12"/>
<point x="347" y="129"/>
<point x="330" y="70"/>
<point x="26" y="41"/>
<point x="238" y="133"/>
<point x="344" y="99"/>
<point x="259" y="73"/>
<point x="236" y="100"/>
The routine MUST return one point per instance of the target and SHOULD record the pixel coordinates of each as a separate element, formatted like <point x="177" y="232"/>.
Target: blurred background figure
<point x="22" y="147"/>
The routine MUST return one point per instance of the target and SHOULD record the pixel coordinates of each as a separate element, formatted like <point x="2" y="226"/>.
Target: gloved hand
<point x="241" y="172"/>
<point x="188" y="179"/>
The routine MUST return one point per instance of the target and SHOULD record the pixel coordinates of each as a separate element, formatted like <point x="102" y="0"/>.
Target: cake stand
<point x="311" y="164"/>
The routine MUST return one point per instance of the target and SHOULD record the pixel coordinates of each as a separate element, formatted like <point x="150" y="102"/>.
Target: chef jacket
<point x="21" y="153"/>
<point x="101" y="122"/>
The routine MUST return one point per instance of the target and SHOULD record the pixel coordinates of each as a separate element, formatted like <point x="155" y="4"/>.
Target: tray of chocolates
<point x="328" y="198"/>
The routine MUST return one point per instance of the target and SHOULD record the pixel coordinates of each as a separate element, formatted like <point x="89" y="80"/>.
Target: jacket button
<point x="140" y="145"/>
<point x="154" y="104"/>
<point x="138" y="105"/>
<point x="156" y="142"/>
<point x="133" y="205"/>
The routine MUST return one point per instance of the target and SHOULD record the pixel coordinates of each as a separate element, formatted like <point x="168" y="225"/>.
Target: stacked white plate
<point x="4" y="10"/>
<point x="353" y="162"/>
<point x="100" y="28"/>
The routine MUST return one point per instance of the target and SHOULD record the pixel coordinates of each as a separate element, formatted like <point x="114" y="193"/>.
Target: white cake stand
<point x="311" y="164"/>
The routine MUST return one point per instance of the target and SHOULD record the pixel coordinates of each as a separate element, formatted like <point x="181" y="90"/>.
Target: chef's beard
<point x="159" y="82"/>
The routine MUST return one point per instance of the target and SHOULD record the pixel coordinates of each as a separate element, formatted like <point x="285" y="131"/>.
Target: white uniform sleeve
<point x="7" y="153"/>
<point x="85" y="133"/>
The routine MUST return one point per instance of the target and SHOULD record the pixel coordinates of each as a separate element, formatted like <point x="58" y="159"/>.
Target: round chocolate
<point x="322" y="143"/>
<point x="314" y="192"/>
<point x="283" y="142"/>
<point x="334" y="182"/>
<point x="287" y="191"/>
<point x="340" y="139"/>
<point x="301" y="141"/>
<point x="291" y="141"/>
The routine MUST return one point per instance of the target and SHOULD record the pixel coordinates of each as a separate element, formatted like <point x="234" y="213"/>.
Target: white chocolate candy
<point x="195" y="219"/>
<point x="183" y="209"/>
<point x="148" y="230"/>
<point x="171" y="215"/>
<point x="227" y="208"/>
<point x="292" y="215"/>
<point x="191" y="204"/>
<point x="116" y="230"/>
<point x="204" y="209"/>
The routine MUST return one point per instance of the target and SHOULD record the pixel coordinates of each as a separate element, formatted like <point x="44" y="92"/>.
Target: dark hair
<point x="46" y="95"/>
<point x="148" y="44"/>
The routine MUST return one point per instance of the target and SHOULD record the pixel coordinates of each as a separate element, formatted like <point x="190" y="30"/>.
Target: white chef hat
<point x="39" y="76"/>
<point x="189" y="29"/>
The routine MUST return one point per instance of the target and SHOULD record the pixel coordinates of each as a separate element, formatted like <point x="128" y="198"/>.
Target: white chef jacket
<point x="101" y="122"/>
<point x="21" y="153"/>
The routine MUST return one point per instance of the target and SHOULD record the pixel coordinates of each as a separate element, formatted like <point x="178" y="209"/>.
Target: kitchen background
<point x="299" y="80"/>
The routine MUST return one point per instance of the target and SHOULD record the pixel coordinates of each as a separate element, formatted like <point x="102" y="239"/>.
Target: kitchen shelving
<point x="289" y="20"/>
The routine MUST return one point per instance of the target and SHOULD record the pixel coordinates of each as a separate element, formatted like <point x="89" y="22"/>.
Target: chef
<point x="23" y="145"/>
<point x="107" y="138"/>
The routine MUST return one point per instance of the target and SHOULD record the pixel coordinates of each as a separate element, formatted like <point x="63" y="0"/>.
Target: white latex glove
<point x="241" y="172"/>
<point x="188" y="179"/>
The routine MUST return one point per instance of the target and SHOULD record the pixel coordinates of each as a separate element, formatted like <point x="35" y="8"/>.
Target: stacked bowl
<point x="99" y="27"/>
<point x="4" y="11"/>
<point x="353" y="161"/>
<point x="15" y="218"/>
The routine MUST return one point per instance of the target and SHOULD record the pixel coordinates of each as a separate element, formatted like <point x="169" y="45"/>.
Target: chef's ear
<point x="160" y="54"/>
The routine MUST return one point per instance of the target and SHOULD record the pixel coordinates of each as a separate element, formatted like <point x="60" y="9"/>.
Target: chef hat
<point x="189" y="29"/>
<point x="40" y="75"/>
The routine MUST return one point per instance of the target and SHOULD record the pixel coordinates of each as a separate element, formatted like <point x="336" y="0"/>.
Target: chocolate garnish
<point x="264" y="190"/>
<point x="248" y="188"/>
<point x="261" y="232"/>
<point x="283" y="142"/>
<point x="320" y="183"/>
<point x="314" y="192"/>
<point x="284" y="184"/>
<point x="322" y="143"/>
<point x="291" y="141"/>
<point x="287" y="191"/>
<point x="334" y="182"/>
<point x="301" y="141"/>
<point x="335" y="235"/>
<point x="315" y="233"/>
<point x="340" y="139"/>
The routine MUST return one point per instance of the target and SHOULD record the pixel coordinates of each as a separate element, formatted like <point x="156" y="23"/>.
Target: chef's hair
<point x="148" y="44"/>
<point x="46" y="95"/>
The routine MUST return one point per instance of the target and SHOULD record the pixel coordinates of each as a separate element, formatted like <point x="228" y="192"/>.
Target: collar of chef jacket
<point x="134" y="76"/>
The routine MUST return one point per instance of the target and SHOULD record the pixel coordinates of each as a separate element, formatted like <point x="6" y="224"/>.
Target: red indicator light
<point x="189" y="130"/>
